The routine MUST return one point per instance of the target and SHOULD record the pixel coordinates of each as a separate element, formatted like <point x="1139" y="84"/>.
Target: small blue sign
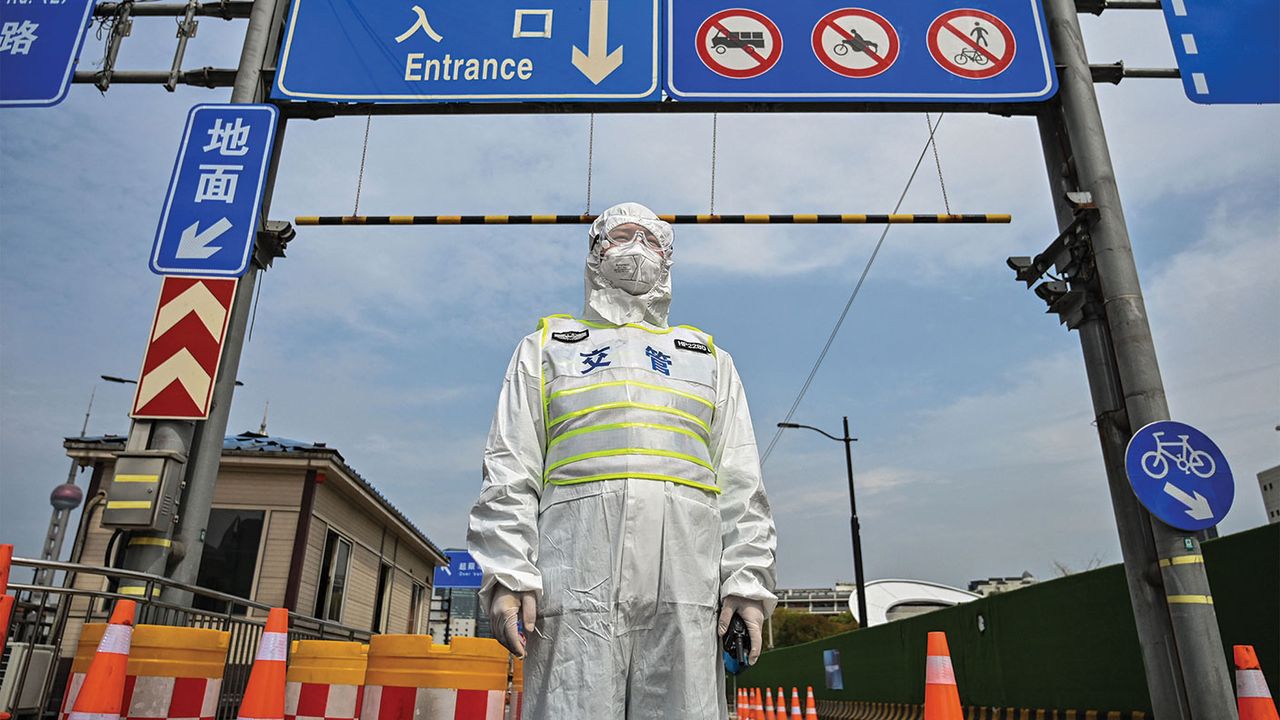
<point x="988" y="51"/>
<point x="1180" y="475"/>
<point x="497" y="50"/>
<point x="1228" y="52"/>
<point x="40" y="41"/>
<point x="211" y="210"/>
<point x="462" y="571"/>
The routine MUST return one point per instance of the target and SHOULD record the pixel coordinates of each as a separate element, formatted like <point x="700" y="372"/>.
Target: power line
<point x="852" y="296"/>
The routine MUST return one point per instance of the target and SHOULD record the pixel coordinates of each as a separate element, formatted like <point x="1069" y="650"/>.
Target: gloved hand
<point x="504" y="609"/>
<point x="752" y="614"/>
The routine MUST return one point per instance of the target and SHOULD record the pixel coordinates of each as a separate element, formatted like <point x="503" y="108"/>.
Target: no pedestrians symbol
<point x="855" y="43"/>
<point x="971" y="43"/>
<point x="739" y="43"/>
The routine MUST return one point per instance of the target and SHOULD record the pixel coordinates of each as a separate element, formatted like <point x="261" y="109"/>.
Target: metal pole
<point x="855" y="529"/>
<point x="206" y="456"/>
<point x="1175" y="584"/>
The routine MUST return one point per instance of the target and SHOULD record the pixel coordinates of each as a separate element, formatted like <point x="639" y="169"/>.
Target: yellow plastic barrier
<point x="515" y="705"/>
<point x="409" y="678"/>
<point x="176" y="671"/>
<point x="325" y="679"/>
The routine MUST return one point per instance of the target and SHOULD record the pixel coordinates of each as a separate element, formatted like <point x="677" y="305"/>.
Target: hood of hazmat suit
<point x="622" y="489"/>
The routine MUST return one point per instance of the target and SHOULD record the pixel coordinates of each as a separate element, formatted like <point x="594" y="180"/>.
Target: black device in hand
<point x="737" y="645"/>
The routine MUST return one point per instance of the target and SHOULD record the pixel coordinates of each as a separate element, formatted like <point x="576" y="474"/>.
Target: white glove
<point x="504" y="609"/>
<point x="752" y="614"/>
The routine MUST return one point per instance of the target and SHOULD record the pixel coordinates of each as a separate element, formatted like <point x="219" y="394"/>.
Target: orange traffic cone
<point x="796" y="714"/>
<point x="810" y="706"/>
<point x="769" y="713"/>
<point x="941" y="696"/>
<point x="264" y="695"/>
<point x="102" y="694"/>
<point x="6" y="602"/>
<point x="759" y="705"/>
<point x="1253" y="698"/>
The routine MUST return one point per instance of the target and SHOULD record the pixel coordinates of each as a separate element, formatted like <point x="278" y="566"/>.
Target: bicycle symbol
<point x="1155" y="463"/>
<point x="969" y="54"/>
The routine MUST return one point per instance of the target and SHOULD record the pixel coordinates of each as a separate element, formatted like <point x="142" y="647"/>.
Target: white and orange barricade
<point x="325" y="680"/>
<point x="172" y="673"/>
<point x="409" y="678"/>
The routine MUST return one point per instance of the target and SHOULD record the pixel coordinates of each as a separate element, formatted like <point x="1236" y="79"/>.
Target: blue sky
<point x="976" y="455"/>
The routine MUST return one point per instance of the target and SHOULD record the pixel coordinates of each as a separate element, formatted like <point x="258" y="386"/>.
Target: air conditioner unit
<point x="39" y="661"/>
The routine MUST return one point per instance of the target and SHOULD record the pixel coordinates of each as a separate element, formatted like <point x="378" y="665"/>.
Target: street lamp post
<point x="855" y="528"/>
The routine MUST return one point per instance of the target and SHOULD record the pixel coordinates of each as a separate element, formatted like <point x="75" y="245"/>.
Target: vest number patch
<point x="693" y="347"/>
<point x="571" y="336"/>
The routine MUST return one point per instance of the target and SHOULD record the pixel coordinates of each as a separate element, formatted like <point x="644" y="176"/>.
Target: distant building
<point x="890" y="600"/>
<point x="993" y="585"/>
<point x="1269" y="484"/>
<point x="816" y="601"/>
<point x="292" y="526"/>
<point x="459" y="608"/>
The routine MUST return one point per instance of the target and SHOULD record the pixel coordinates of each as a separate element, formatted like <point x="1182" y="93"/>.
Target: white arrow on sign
<point x="195" y="246"/>
<point x="195" y="299"/>
<point x="1198" y="506"/>
<point x="598" y="63"/>
<point x="181" y="367"/>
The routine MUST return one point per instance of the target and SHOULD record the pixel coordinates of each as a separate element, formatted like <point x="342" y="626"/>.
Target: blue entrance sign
<point x="211" y="211"/>
<point x="39" y="43"/>
<point x="497" y="50"/>
<point x="1180" y="475"/>
<point x="1228" y="52"/>
<point x="869" y="51"/>
<point x="462" y="572"/>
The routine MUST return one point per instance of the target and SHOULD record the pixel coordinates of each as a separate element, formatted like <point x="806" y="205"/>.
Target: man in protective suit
<point x="622" y="502"/>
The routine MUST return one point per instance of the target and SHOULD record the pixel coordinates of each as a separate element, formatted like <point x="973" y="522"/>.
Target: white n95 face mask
<point x="635" y="269"/>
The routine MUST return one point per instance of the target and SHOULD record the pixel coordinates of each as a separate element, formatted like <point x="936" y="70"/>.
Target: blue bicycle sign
<point x="1180" y="475"/>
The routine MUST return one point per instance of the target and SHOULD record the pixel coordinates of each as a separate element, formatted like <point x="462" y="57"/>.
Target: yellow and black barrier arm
<point x="760" y="219"/>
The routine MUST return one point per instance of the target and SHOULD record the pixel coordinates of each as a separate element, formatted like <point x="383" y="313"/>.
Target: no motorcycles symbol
<point x="855" y="43"/>
<point x="739" y="43"/>
<point x="971" y="43"/>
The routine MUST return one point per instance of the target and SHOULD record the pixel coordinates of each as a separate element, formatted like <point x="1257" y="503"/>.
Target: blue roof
<point x="255" y="442"/>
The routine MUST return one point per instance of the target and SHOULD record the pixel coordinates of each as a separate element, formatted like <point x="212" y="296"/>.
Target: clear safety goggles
<point x="627" y="234"/>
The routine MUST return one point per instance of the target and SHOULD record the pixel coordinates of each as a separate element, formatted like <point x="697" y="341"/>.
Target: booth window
<point x="333" y="577"/>
<point x="230" y="556"/>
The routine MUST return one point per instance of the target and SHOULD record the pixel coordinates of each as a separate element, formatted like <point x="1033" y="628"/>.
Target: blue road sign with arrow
<point x="462" y="571"/>
<point x="1180" y="475"/>
<point x="39" y="43"/>
<point x="497" y="50"/>
<point x="993" y="51"/>
<point x="211" y="210"/>
<point x="1228" y="51"/>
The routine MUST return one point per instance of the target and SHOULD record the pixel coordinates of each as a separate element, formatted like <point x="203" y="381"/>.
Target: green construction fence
<point x="1068" y="643"/>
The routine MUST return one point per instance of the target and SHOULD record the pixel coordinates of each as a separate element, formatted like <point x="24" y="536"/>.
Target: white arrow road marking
<point x="195" y="299"/>
<point x="598" y="63"/>
<point x="193" y="246"/>
<point x="181" y="367"/>
<point x="1199" y="505"/>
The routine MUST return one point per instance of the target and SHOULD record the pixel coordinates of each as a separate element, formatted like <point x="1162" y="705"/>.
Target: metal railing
<point x="43" y="613"/>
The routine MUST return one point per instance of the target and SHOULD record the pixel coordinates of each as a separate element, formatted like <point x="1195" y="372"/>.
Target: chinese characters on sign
<point x="211" y="213"/>
<point x="16" y="38"/>
<point x="39" y="43"/>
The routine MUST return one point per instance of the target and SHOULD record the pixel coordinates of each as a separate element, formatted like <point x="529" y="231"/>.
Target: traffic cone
<point x="769" y="713"/>
<point x="264" y="695"/>
<point x="810" y="706"/>
<point x="6" y="601"/>
<point x="1253" y="698"/>
<point x="742" y="704"/>
<point x="759" y="705"/>
<point x="6" y="559"/>
<point x="796" y="713"/>
<point x="941" y="696"/>
<point x="102" y="694"/>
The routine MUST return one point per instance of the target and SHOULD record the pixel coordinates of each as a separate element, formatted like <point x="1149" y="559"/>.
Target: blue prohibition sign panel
<point x="1180" y="475"/>
<point x="462" y="572"/>
<point x="980" y="51"/>
<point x="39" y="43"/>
<point x="416" y="51"/>
<point x="211" y="210"/>
<point x="1228" y="52"/>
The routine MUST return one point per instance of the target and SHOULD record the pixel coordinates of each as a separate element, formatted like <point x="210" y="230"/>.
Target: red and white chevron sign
<point x="185" y="348"/>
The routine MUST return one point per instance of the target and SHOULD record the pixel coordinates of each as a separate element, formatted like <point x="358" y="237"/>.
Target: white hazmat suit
<point x="622" y="498"/>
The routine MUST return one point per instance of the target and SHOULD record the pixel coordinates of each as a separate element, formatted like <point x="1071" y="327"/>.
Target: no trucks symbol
<point x="971" y="43"/>
<point x="855" y="43"/>
<point x="739" y="43"/>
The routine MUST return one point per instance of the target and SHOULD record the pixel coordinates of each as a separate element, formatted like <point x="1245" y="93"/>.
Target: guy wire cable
<point x="852" y="296"/>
